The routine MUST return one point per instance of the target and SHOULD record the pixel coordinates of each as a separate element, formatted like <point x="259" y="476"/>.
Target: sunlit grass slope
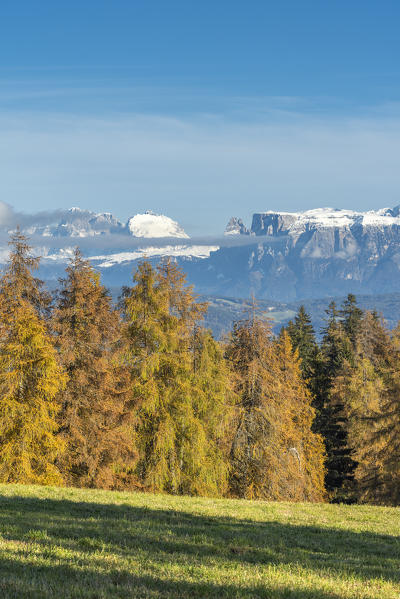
<point x="82" y="543"/>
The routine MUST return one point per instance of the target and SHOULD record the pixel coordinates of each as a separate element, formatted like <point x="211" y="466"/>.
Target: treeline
<point x="141" y="396"/>
<point x="354" y="379"/>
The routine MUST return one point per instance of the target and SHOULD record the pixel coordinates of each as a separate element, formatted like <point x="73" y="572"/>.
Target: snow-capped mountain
<point x="316" y="253"/>
<point x="154" y="225"/>
<point x="84" y="223"/>
<point x="148" y="235"/>
<point x="294" y="223"/>
<point x="79" y="223"/>
<point x="282" y="256"/>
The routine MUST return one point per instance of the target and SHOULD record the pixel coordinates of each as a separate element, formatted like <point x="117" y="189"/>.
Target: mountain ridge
<point x="284" y="256"/>
<point x="273" y="222"/>
<point x="86" y="223"/>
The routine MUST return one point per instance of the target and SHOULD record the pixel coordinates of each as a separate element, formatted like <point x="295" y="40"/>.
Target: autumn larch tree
<point x="95" y="403"/>
<point x="213" y="402"/>
<point x="305" y="479"/>
<point x="30" y="375"/>
<point x="274" y="453"/>
<point x="174" y="432"/>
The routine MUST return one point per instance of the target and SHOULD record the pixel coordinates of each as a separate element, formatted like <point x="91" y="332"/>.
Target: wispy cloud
<point x="11" y="218"/>
<point x="201" y="169"/>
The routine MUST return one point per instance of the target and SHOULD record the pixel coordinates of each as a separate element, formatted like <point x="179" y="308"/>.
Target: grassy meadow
<point x="73" y="543"/>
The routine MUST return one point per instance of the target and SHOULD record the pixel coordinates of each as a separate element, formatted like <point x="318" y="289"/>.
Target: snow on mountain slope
<point x="78" y="223"/>
<point x="184" y="251"/>
<point x="286" y="223"/>
<point x="155" y="225"/>
<point x="331" y="217"/>
<point x="325" y="217"/>
<point x="285" y="255"/>
<point x="85" y="223"/>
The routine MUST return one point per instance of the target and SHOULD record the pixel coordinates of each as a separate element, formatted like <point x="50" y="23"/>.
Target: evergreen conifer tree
<point x="363" y="389"/>
<point x="351" y="316"/>
<point x="366" y="388"/>
<point x="302" y="337"/>
<point x="330" y="420"/>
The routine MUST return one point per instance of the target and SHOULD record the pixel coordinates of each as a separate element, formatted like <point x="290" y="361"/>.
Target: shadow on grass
<point x="66" y="582"/>
<point x="93" y="550"/>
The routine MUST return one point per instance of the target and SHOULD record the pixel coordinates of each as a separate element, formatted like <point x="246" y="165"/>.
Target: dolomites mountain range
<point x="283" y="256"/>
<point x="84" y="223"/>
<point x="316" y="253"/>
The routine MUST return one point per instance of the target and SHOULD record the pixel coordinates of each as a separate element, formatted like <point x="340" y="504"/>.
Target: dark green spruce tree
<point x="351" y="316"/>
<point x="330" y="422"/>
<point x="302" y="337"/>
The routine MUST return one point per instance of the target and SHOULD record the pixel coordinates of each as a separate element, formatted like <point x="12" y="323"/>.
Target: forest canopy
<point x="141" y="396"/>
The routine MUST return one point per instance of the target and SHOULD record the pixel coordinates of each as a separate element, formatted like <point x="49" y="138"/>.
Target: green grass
<point x="58" y="543"/>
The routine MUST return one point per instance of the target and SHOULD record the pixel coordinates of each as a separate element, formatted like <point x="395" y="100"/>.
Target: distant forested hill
<point x="223" y="311"/>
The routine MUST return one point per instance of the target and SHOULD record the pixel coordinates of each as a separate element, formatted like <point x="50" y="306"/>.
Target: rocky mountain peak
<point x="236" y="226"/>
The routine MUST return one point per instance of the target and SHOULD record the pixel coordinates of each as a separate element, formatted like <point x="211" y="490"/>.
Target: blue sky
<point x="200" y="110"/>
